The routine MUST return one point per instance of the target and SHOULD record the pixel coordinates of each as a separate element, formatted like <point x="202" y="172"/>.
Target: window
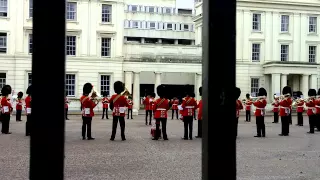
<point x="106" y="13"/>
<point x="105" y="84"/>
<point x="29" y="79"/>
<point x="71" y="45"/>
<point x="106" y="47"/>
<point x="312" y="54"/>
<point x="256" y="22"/>
<point x="134" y="8"/>
<point x="186" y="27"/>
<point x="254" y="87"/>
<point x="3" y="42"/>
<point x="71" y="11"/>
<point x="30" y="43"/>
<point x="152" y="25"/>
<point x="30" y="8"/>
<point x="3" y="8"/>
<point x="256" y="52"/>
<point x="135" y="24"/>
<point x="70" y="84"/>
<point x="284" y="53"/>
<point x="169" y="26"/>
<point x="312" y="24"/>
<point x="284" y="23"/>
<point x="2" y="79"/>
<point x="152" y="9"/>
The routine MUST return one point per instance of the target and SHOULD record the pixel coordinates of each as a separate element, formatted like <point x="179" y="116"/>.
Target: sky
<point x="186" y="4"/>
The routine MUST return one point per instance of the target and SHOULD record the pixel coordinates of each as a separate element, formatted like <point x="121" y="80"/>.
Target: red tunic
<point x="66" y="101"/>
<point x="276" y="106"/>
<point x="87" y="106"/>
<point x="300" y="106"/>
<point x="119" y="105"/>
<point x="161" y="107"/>
<point x="188" y="105"/>
<point x="28" y="105"/>
<point x="311" y="107"/>
<point x="105" y="102"/>
<point x="317" y="105"/>
<point x="260" y="107"/>
<point x="200" y="110"/>
<point x="130" y="103"/>
<point x="6" y="106"/>
<point x="285" y="107"/>
<point x="146" y="103"/>
<point x="239" y="106"/>
<point x="248" y="105"/>
<point x="175" y="104"/>
<point x="19" y="104"/>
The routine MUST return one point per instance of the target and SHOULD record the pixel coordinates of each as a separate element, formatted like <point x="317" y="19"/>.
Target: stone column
<point x="128" y="80"/>
<point x="313" y="82"/>
<point x="275" y="81"/>
<point x="136" y="93"/>
<point x="160" y="41"/>
<point x="157" y="81"/>
<point x="197" y="85"/>
<point x="176" y="42"/>
<point x="142" y="40"/>
<point x="284" y="79"/>
<point x="305" y="84"/>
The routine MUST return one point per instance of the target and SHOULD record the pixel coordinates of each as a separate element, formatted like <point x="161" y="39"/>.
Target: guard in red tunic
<point x="275" y="109"/>
<point x="6" y="109"/>
<point x="130" y="103"/>
<point x="284" y="113"/>
<point x="19" y="104"/>
<point x="317" y="121"/>
<point x="105" y="104"/>
<point x="66" y="106"/>
<point x="200" y="115"/>
<point x="300" y="109"/>
<point x="161" y="107"/>
<point x="174" y="107"/>
<point x="312" y="111"/>
<point x="239" y="107"/>
<point x="188" y="105"/>
<point x="147" y="106"/>
<point x="87" y="104"/>
<point x="248" y="105"/>
<point x="193" y="95"/>
<point x="28" y="110"/>
<point x="260" y="112"/>
<point x="118" y="104"/>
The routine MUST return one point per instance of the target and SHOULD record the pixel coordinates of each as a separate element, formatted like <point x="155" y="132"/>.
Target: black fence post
<point x="219" y="66"/>
<point x="48" y="86"/>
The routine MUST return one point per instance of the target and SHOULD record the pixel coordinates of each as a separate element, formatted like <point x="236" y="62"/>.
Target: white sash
<point x="5" y="109"/>
<point x="28" y="110"/>
<point x="86" y="111"/>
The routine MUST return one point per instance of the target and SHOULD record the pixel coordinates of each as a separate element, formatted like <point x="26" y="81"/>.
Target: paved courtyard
<point x="295" y="157"/>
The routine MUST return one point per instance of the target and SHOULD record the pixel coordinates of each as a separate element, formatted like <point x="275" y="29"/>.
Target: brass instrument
<point x="125" y="92"/>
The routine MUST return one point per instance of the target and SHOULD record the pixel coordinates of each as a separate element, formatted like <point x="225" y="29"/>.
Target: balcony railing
<point x="196" y="59"/>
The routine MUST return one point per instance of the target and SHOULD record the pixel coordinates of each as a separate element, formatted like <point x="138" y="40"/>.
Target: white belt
<point x="310" y="107"/>
<point x="260" y="108"/>
<point x="284" y="107"/>
<point x="300" y="106"/>
<point x="248" y="105"/>
<point x="188" y="107"/>
<point x="161" y="109"/>
<point x="317" y="106"/>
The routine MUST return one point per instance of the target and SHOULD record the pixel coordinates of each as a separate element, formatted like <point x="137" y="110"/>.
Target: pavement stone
<point x="295" y="157"/>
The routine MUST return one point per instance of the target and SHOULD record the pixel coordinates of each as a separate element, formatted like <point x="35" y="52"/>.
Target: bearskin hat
<point x="29" y="90"/>
<point x="200" y="91"/>
<point x="153" y="95"/>
<point x="287" y="90"/>
<point x="87" y="88"/>
<point x="20" y="94"/>
<point x="247" y="95"/>
<point x="192" y="95"/>
<point x="188" y="90"/>
<point x="105" y="94"/>
<point x="262" y="92"/>
<point x="6" y="90"/>
<point x="237" y="93"/>
<point x="118" y="87"/>
<point x="299" y="94"/>
<point x="161" y="91"/>
<point x="318" y="92"/>
<point x="312" y="92"/>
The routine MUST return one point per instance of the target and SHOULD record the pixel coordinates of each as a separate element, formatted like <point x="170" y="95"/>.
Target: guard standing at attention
<point x="248" y="104"/>
<point x="174" y="107"/>
<point x="19" y="106"/>
<point x="66" y="106"/>
<point x="28" y="110"/>
<point x="105" y="104"/>
<point x="193" y="95"/>
<point x="6" y="109"/>
<point x="239" y="106"/>
<point x="275" y="109"/>
<point x="147" y="106"/>
<point x="300" y="109"/>
<point x="312" y="111"/>
<point x="285" y="105"/>
<point x="118" y="104"/>
<point x="188" y="105"/>
<point x="200" y="115"/>
<point x="260" y="112"/>
<point x="161" y="107"/>
<point x="130" y="103"/>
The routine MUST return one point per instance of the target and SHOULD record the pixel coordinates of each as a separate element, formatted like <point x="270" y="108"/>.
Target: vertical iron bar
<point x="48" y="85"/>
<point x="219" y="66"/>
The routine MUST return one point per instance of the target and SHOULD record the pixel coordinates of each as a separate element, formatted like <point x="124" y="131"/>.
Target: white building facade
<point x="134" y="41"/>
<point x="277" y="44"/>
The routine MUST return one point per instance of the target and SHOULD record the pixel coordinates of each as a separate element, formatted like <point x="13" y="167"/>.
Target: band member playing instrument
<point x="118" y="104"/>
<point x="19" y="106"/>
<point x="148" y="107"/>
<point x="28" y="110"/>
<point x="105" y="104"/>
<point x="312" y="111"/>
<point x="317" y="121"/>
<point x="161" y="107"/>
<point x="248" y="104"/>
<point x="130" y="103"/>
<point x="275" y="109"/>
<point x="200" y="115"/>
<point x="6" y="109"/>
<point x="238" y="108"/>
<point x="174" y="106"/>
<point x="87" y="104"/>
<point x="260" y="112"/>
<point x="285" y="104"/>
<point x="66" y="106"/>
<point x="300" y="109"/>
<point x="188" y="105"/>
<point x="193" y="95"/>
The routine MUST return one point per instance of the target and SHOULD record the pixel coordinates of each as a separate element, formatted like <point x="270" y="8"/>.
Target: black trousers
<point x="312" y="121"/>
<point x="275" y="117"/>
<point x="194" y="114"/>
<point x="236" y="126"/>
<point x="176" y="113"/>
<point x="115" y="124"/>
<point x="66" y="112"/>
<point x="285" y="125"/>
<point x="105" y="112"/>
<point x="28" y="125"/>
<point x="18" y="115"/>
<point x="290" y="118"/>
<point x="86" y="126"/>
<point x="148" y="112"/>
<point x="188" y="124"/>
<point x="317" y="122"/>
<point x="129" y="112"/>
<point x="199" y="128"/>
<point x="5" y="123"/>
<point x="163" y="126"/>
<point x="261" y="128"/>
<point x="248" y="115"/>
<point x="300" y="119"/>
